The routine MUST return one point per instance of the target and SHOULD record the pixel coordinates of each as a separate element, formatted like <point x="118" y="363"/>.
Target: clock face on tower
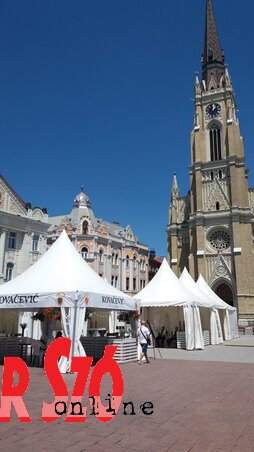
<point x="213" y="110"/>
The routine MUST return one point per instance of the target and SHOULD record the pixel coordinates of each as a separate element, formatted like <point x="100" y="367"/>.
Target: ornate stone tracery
<point x="219" y="239"/>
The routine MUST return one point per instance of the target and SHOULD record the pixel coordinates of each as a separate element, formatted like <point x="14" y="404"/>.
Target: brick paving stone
<point x="242" y="449"/>
<point x="198" y="406"/>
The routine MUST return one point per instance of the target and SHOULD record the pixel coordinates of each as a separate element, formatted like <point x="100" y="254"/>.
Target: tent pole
<point x="74" y="327"/>
<point x="194" y="332"/>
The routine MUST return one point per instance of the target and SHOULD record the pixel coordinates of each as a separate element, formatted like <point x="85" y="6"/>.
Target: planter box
<point x="181" y="342"/>
<point x="126" y="351"/>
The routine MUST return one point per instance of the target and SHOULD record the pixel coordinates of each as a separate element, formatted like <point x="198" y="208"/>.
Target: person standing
<point x="144" y="336"/>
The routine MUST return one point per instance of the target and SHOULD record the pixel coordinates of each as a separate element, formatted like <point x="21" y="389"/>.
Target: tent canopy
<point x="61" y="277"/>
<point x="188" y="281"/>
<point x="220" y="304"/>
<point x="165" y="289"/>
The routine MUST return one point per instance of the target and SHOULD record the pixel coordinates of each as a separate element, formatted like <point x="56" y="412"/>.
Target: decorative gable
<point x="65" y="224"/>
<point x="129" y="235"/>
<point x="10" y="202"/>
<point x="221" y="270"/>
<point x="215" y="196"/>
<point x="101" y="229"/>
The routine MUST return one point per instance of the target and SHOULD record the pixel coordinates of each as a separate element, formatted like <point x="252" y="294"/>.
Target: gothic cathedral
<point x="210" y="231"/>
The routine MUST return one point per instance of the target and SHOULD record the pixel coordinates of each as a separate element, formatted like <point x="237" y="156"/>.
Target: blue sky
<point x="99" y="93"/>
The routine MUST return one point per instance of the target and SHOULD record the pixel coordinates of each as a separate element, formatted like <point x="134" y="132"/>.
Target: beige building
<point x="112" y="250"/>
<point x="210" y="231"/>
<point x="23" y="239"/>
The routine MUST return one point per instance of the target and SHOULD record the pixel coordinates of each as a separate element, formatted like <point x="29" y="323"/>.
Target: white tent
<point x="61" y="278"/>
<point x="165" y="290"/>
<point x="230" y="318"/>
<point x="210" y="307"/>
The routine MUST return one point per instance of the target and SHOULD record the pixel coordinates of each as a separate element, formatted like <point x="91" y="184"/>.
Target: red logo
<point x="75" y="412"/>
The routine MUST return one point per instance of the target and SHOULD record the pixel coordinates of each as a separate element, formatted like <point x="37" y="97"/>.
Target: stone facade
<point x="210" y="231"/>
<point x="23" y="239"/>
<point x="112" y="250"/>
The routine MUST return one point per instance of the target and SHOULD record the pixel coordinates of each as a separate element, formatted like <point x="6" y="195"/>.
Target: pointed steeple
<point x="175" y="193"/>
<point x="213" y="56"/>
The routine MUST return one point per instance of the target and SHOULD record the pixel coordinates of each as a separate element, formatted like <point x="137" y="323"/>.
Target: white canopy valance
<point x="61" y="277"/>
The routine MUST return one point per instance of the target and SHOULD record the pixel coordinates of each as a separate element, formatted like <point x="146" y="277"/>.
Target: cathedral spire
<point x="174" y="189"/>
<point x="213" y="56"/>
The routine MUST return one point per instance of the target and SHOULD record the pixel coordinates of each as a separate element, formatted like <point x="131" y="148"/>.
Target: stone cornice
<point x="24" y="224"/>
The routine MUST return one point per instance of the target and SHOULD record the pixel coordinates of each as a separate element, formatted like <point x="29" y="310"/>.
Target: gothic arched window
<point x="215" y="143"/>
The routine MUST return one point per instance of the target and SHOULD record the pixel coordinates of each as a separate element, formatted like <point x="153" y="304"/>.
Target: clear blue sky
<point x="99" y="93"/>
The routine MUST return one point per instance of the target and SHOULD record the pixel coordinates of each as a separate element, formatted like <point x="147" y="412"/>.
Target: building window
<point x="215" y="143"/>
<point x="127" y="283"/>
<point x="134" y="262"/>
<point x="84" y="228"/>
<point x="9" y="271"/>
<point x="12" y="241"/>
<point x="84" y="252"/>
<point x="113" y="258"/>
<point x="116" y="259"/>
<point x="142" y="284"/>
<point x="114" y="280"/>
<point x="134" y="284"/>
<point x="101" y="256"/>
<point x="217" y="205"/>
<point x="35" y="243"/>
<point x="127" y="261"/>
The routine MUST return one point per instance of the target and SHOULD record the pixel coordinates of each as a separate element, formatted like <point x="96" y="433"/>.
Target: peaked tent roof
<point x="220" y="304"/>
<point x="188" y="281"/>
<point x="61" y="270"/>
<point x="165" y="289"/>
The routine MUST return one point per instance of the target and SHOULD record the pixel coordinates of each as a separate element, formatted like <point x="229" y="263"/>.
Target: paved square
<point x="199" y="406"/>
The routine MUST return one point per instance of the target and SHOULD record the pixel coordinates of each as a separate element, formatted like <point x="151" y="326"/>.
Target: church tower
<point x="210" y="231"/>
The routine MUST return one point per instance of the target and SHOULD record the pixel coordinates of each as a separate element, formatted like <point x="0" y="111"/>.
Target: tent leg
<point x="74" y="331"/>
<point x="194" y="333"/>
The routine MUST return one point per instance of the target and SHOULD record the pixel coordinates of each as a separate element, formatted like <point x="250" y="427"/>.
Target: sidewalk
<point x="236" y="351"/>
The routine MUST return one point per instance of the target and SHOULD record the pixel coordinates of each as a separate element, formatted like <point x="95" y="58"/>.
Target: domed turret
<point x="82" y="200"/>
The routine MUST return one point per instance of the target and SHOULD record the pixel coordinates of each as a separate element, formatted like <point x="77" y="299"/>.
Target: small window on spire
<point x="217" y="205"/>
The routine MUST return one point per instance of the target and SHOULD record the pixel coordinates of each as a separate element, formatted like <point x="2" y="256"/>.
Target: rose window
<point x="220" y="240"/>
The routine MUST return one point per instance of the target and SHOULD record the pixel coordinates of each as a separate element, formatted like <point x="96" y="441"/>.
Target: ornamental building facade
<point x="112" y="250"/>
<point x="23" y="239"/>
<point x="210" y="231"/>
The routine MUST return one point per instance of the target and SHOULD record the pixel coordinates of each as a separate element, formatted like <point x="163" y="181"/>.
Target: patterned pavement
<point x="199" y="406"/>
